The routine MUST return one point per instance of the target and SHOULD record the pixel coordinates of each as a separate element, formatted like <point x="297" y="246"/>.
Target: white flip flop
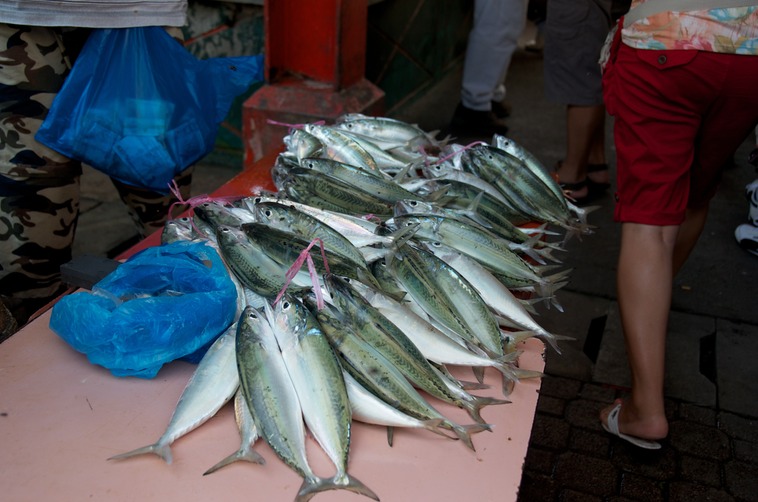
<point x="613" y="427"/>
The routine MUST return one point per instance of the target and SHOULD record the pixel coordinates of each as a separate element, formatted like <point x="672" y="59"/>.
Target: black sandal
<point x="569" y="188"/>
<point x="596" y="186"/>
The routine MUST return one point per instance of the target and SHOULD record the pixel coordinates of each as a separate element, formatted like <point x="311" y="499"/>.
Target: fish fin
<point x="508" y="385"/>
<point x="436" y="425"/>
<point x="478" y="373"/>
<point x="347" y="482"/>
<point x="313" y="485"/>
<point x="474" y="406"/>
<point x="162" y="450"/>
<point x="509" y="377"/>
<point x="522" y="373"/>
<point x="466" y="385"/>
<point x="390" y="435"/>
<point x="464" y="432"/>
<point x="247" y="454"/>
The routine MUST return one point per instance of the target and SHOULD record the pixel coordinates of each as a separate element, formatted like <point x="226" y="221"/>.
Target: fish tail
<point x="509" y="382"/>
<point x="553" y="339"/>
<point x="436" y="425"/>
<point x="342" y="481"/>
<point x="508" y="371"/>
<point x="511" y="338"/>
<point x="476" y="403"/>
<point x="522" y="373"/>
<point x="162" y="450"/>
<point x="350" y="483"/>
<point x="246" y="454"/>
<point x="531" y="252"/>
<point x="464" y="432"/>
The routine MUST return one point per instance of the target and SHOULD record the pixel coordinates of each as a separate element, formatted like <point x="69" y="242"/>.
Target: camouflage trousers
<point x="39" y="188"/>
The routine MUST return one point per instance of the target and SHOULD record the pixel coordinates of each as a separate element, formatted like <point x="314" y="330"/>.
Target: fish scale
<point x="289" y="218"/>
<point x="317" y="378"/>
<point x="252" y="266"/>
<point x="384" y="189"/>
<point x="375" y="372"/>
<point x="472" y="240"/>
<point x="317" y="189"/>
<point x="388" y="339"/>
<point x="455" y="303"/>
<point x="270" y="394"/>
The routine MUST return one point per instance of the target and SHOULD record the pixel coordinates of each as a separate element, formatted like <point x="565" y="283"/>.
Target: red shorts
<point x="679" y="117"/>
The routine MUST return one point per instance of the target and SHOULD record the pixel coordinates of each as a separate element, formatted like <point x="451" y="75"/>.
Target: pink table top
<point x="62" y="417"/>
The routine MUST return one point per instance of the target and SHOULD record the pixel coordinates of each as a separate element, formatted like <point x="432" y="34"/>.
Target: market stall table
<point x="61" y="418"/>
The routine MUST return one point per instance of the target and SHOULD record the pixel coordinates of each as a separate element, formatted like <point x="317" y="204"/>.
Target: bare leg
<point x="689" y="232"/>
<point x="582" y="123"/>
<point x="650" y="257"/>
<point x="644" y="292"/>
<point x="597" y="152"/>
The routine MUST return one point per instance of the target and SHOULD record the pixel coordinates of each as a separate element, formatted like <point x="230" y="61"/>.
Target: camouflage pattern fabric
<point x="39" y="188"/>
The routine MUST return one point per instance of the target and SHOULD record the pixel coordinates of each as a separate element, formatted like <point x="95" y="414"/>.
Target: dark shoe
<point x="468" y="122"/>
<point x="501" y="110"/>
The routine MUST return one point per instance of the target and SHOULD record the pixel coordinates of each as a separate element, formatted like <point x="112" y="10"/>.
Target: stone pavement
<point x="712" y="378"/>
<point x="710" y="454"/>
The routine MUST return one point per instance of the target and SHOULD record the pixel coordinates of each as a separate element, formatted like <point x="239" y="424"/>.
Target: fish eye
<point x="413" y="203"/>
<point x="310" y="165"/>
<point x="267" y="212"/>
<point x="285" y="305"/>
<point x="252" y="315"/>
<point x="436" y="244"/>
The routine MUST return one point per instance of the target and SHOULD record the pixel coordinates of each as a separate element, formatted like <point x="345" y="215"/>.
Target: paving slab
<point x="736" y="368"/>
<point x="683" y="380"/>
<point x="581" y="313"/>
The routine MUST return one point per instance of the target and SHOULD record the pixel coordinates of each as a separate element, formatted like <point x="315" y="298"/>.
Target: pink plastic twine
<point x="294" y="126"/>
<point x="470" y="145"/>
<point x="195" y="201"/>
<point x="305" y="256"/>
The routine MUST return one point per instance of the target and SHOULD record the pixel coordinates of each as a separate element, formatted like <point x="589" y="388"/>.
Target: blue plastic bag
<point x="165" y="303"/>
<point x="140" y="108"/>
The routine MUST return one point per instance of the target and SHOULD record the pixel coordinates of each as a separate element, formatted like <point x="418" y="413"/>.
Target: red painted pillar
<point x="315" y="62"/>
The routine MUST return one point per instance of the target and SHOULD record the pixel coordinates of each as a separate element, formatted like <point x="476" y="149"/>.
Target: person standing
<point x="574" y="34"/>
<point x="493" y="39"/>
<point x="681" y="87"/>
<point x="39" y="188"/>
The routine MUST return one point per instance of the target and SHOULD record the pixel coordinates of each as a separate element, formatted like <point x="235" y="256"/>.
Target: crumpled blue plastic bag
<point x="140" y="108"/>
<point x="165" y="303"/>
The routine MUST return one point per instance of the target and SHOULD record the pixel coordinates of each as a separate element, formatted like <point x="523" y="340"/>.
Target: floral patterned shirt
<point x="732" y="30"/>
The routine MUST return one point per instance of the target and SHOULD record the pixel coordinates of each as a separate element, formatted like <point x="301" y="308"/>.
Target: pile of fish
<point x="421" y="254"/>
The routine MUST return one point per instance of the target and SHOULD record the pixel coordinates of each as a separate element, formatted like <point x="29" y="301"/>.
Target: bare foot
<point x="633" y="423"/>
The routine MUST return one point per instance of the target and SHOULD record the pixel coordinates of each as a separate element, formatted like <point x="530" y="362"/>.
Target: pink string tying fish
<point x="305" y="256"/>
<point x="195" y="201"/>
